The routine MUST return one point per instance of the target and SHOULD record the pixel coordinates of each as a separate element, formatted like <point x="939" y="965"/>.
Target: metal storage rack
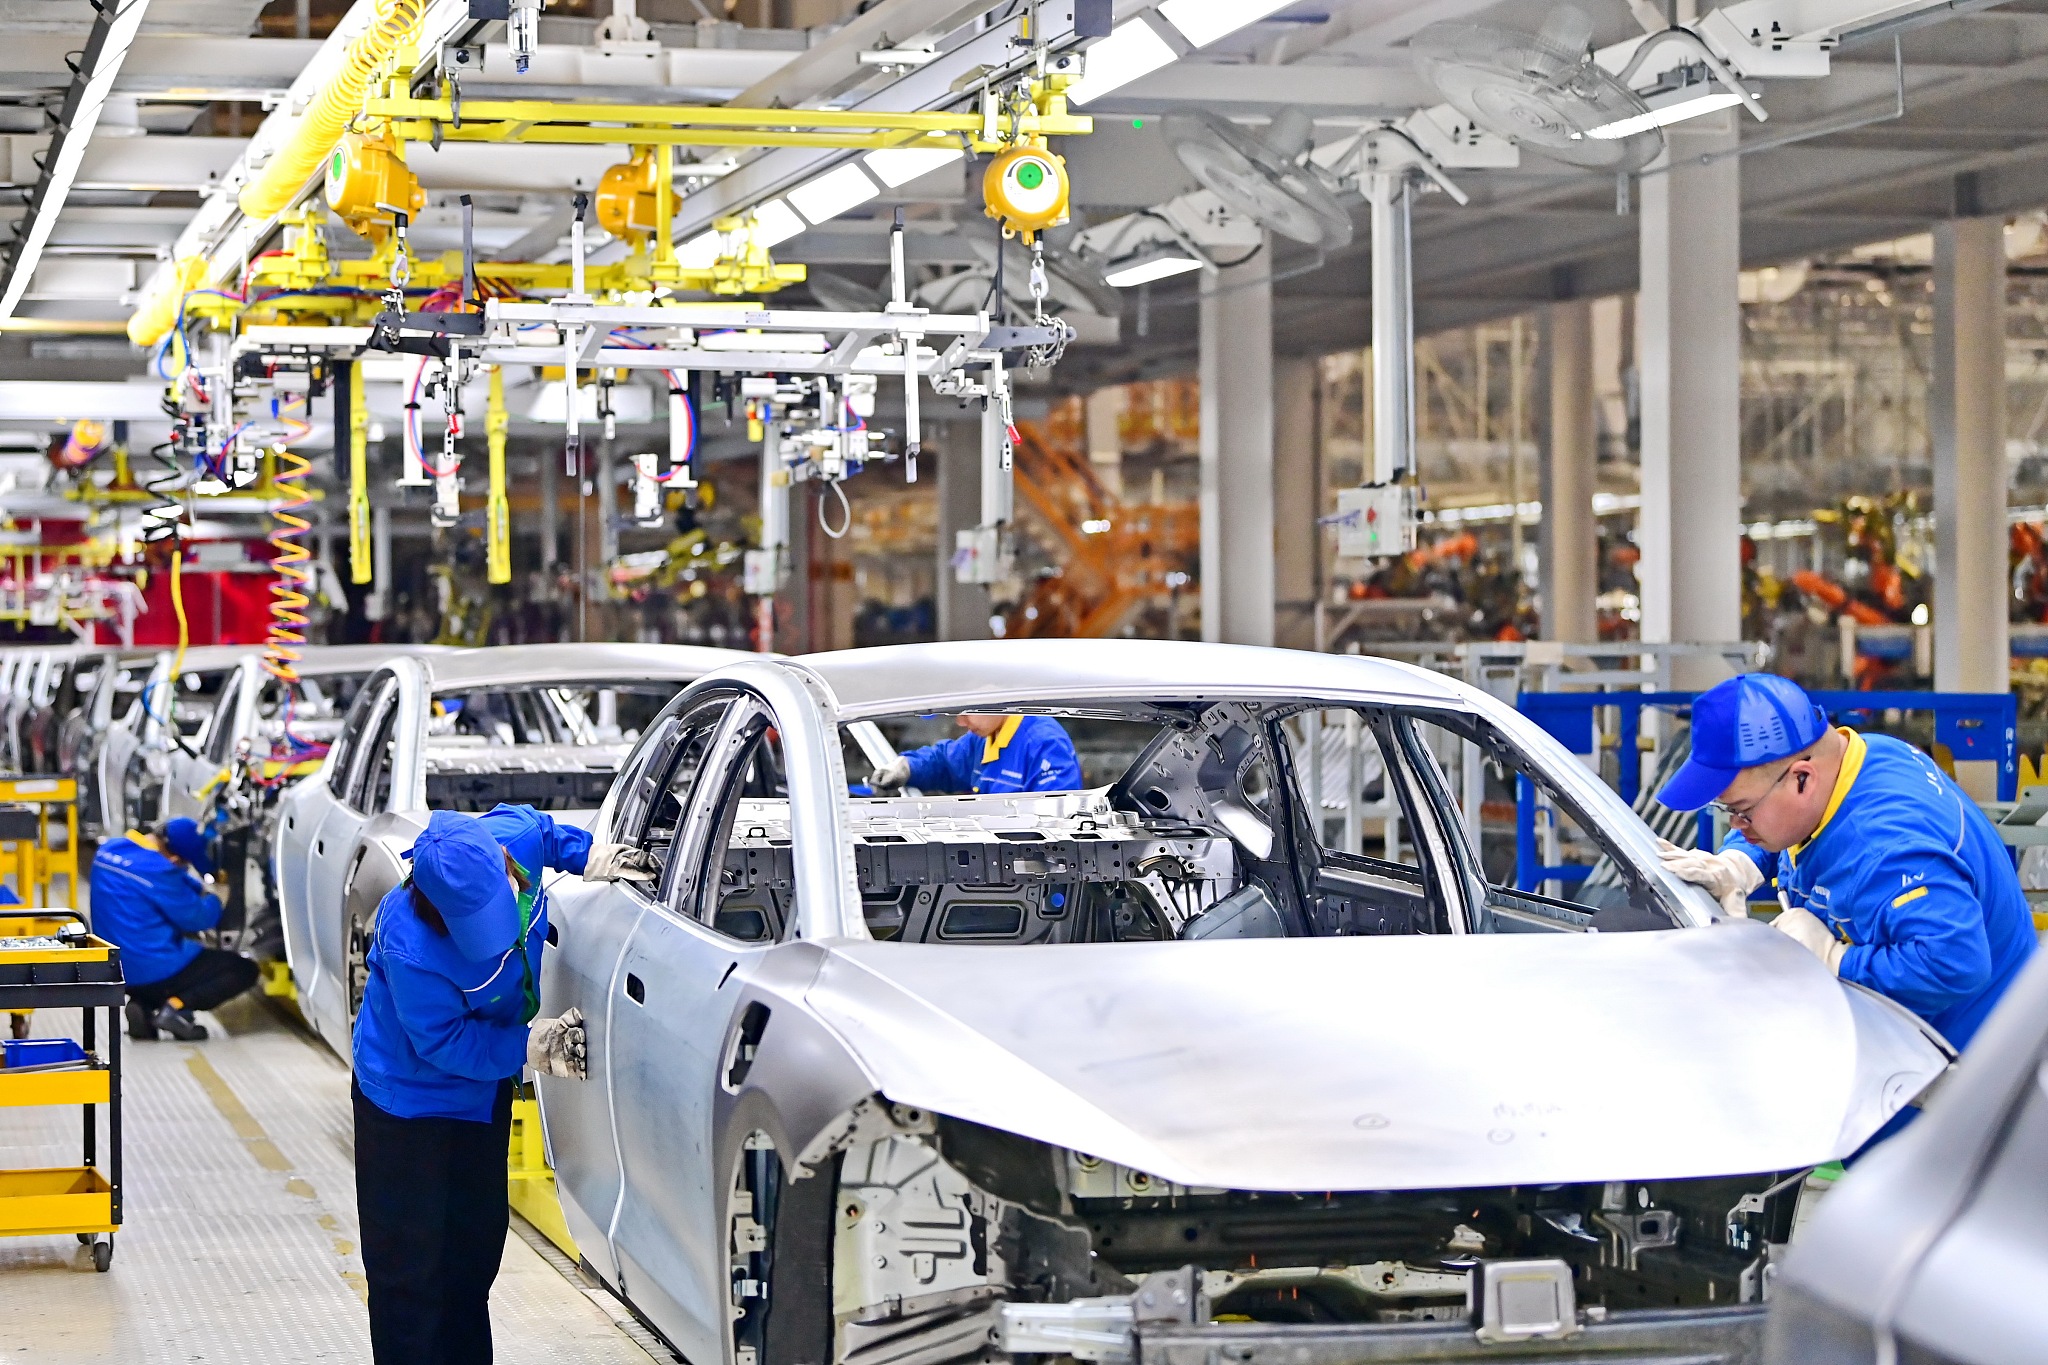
<point x="83" y="973"/>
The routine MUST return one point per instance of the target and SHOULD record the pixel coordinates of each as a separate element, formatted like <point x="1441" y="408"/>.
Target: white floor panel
<point x="239" y="1242"/>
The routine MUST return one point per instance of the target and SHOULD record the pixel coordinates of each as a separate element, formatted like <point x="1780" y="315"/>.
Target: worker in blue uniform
<point x="1887" y="872"/>
<point x="148" y="900"/>
<point x="997" y="754"/>
<point x="447" y="1020"/>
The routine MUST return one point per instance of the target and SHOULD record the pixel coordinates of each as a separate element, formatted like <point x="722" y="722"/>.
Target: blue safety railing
<point x="1972" y="726"/>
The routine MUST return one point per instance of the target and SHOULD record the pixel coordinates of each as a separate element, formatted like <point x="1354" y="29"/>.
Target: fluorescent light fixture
<point x="895" y="166"/>
<point x="833" y="193"/>
<point x="100" y="66"/>
<point x="775" y="222"/>
<point x="1202" y="22"/>
<point x="1150" y="268"/>
<point x="1666" y="115"/>
<point x="701" y="252"/>
<point x="1132" y="50"/>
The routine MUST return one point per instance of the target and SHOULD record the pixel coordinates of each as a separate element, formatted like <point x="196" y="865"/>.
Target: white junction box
<point x="1376" y="521"/>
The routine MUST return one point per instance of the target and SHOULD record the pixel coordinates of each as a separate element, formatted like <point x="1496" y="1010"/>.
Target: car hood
<point x="1391" y="1063"/>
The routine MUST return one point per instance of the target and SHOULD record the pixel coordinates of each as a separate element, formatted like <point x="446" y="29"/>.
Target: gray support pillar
<point x="1297" y="502"/>
<point x="961" y="609"/>
<point x="550" y="509"/>
<point x="1967" y="417"/>
<point x="378" y="603"/>
<point x="1570" y="546"/>
<point x="1689" y="355"/>
<point x="1237" y="454"/>
<point x="607" y="512"/>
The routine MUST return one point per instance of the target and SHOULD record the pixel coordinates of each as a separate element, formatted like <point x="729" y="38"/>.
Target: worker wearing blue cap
<point x="148" y="900"/>
<point x="447" y="1021"/>
<point x="997" y="754"/>
<point x="1888" y="873"/>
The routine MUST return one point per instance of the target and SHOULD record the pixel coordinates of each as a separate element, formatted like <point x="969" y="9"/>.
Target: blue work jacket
<point x="149" y="907"/>
<point x="1029" y="754"/>
<point x="437" y="1031"/>
<point x="1907" y="871"/>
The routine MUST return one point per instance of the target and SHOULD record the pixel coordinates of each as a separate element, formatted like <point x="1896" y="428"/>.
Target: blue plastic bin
<point x="41" y="1051"/>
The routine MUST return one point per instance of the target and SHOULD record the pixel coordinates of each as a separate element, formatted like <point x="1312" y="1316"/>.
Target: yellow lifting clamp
<point x="361" y="557"/>
<point x="497" y="511"/>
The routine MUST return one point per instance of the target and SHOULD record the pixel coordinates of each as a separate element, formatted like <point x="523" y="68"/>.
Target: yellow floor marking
<point x="230" y="1107"/>
<point x="236" y="1113"/>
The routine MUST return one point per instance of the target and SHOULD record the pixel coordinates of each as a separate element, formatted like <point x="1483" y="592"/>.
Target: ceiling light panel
<point x="1666" y="115"/>
<point x="1202" y="22"/>
<point x="833" y="193"/>
<point x="895" y="166"/>
<point x="776" y="222"/>
<point x="1154" y="268"/>
<point x="1134" y="49"/>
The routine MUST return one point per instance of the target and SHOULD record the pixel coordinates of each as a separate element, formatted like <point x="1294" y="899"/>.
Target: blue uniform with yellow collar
<point x="1029" y="754"/>
<point x="1907" y="871"/>
<point x="438" y="1031"/>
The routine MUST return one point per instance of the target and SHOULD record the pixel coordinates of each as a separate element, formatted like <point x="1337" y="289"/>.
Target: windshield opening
<point x="555" y="746"/>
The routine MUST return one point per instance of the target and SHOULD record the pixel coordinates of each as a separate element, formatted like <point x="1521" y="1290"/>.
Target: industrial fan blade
<point x="1540" y="90"/>
<point x="1262" y="182"/>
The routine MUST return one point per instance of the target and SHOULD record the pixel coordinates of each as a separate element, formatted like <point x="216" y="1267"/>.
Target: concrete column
<point x="1689" y="357"/>
<point x="961" y="609"/>
<point x="1105" y="412"/>
<point x="1237" y="454"/>
<point x="1570" y="541"/>
<point x="550" y="508"/>
<point x="1297" y="502"/>
<point x="1967" y="418"/>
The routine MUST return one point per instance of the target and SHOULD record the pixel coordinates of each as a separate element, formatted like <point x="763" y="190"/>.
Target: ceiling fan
<point x="1541" y="90"/>
<point x="1266" y="179"/>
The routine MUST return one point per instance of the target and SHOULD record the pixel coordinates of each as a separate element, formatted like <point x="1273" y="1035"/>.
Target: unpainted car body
<point x="340" y="830"/>
<point x="1934" y="1249"/>
<point x="1150" y="1069"/>
<point x="106" y="699"/>
<point x="261" y="734"/>
<point x="167" y="716"/>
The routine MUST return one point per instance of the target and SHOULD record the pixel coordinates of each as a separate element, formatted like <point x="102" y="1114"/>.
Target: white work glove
<point x="1805" y="928"/>
<point x="619" y="863"/>
<point x="1728" y="877"/>
<point x="558" y="1047"/>
<point x="892" y="776"/>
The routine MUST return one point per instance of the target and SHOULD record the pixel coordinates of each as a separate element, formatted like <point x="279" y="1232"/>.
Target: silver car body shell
<point x="138" y="745"/>
<point x="1716" y="1048"/>
<point x="322" y="845"/>
<point x="191" y="773"/>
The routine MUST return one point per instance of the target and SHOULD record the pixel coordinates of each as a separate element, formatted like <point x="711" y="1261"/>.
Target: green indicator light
<point x="1138" y="123"/>
<point x="1031" y="175"/>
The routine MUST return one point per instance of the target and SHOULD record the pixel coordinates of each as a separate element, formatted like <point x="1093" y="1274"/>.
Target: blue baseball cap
<point x="184" y="838"/>
<point x="1748" y="721"/>
<point x="461" y="868"/>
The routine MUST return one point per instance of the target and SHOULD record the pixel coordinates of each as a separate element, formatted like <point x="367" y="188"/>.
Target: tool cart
<point x="49" y="960"/>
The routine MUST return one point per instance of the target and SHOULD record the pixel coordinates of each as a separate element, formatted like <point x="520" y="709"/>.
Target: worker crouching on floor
<point x="997" y="754"/>
<point x="148" y="900"/>
<point x="1887" y="872"/>
<point x="453" y="985"/>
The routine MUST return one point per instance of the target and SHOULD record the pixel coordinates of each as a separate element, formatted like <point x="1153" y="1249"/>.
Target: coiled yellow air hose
<point x="327" y="117"/>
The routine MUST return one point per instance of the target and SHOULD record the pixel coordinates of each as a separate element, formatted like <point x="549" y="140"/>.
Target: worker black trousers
<point x="213" y="978"/>
<point x="430" y="1194"/>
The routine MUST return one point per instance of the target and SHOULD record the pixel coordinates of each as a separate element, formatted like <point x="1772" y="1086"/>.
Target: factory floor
<point x="240" y="1242"/>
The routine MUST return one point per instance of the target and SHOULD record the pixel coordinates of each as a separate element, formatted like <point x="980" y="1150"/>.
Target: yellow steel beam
<point x="497" y="510"/>
<point x="361" y="559"/>
<point x="550" y="121"/>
